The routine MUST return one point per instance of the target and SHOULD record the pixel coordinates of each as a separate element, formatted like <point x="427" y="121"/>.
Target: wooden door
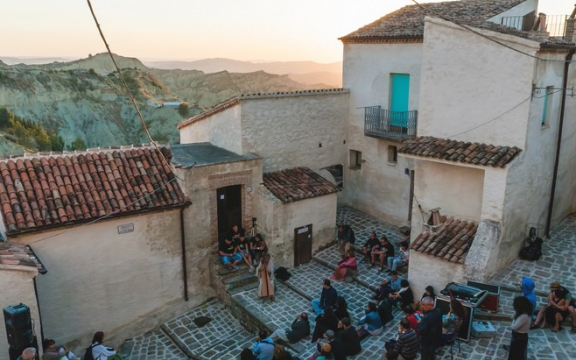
<point x="229" y="209"/>
<point x="302" y="245"/>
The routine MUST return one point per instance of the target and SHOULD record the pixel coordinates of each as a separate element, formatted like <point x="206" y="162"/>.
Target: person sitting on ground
<point x="557" y="310"/>
<point x="349" y="336"/>
<point x="528" y="292"/>
<point x="429" y="292"/>
<point x="401" y="259"/>
<point x="345" y="237"/>
<point x="385" y="312"/>
<point x="299" y="329"/>
<point x="412" y="316"/>
<point x="28" y="354"/>
<point x="264" y="346"/>
<point x="243" y="248"/>
<point x="389" y="285"/>
<point x="258" y="248"/>
<point x="229" y="254"/>
<point x="341" y="310"/>
<point x="101" y="352"/>
<point x="407" y="345"/>
<point x="325" y="339"/>
<point x="369" y="246"/>
<point x="346" y="268"/>
<point x="540" y="321"/>
<point x="324" y="322"/>
<point x="370" y="323"/>
<point x="247" y="354"/>
<point x="325" y="352"/>
<point x="452" y="321"/>
<point x="402" y="297"/>
<point x="280" y="353"/>
<point x="56" y="352"/>
<point x="381" y="253"/>
<point x="265" y="273"/>
<point x="534" y="249"/>
<point x="327" y="298"/>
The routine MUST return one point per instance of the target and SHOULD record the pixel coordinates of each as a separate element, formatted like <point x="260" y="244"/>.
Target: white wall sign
<point x="303" y="230"/>
<point x="126" y="228"/>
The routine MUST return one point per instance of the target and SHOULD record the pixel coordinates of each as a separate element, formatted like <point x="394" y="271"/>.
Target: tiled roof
<point x="449" y="241"/>
<point x="460" y="151"/>
<point x="408" y="22"/>
<point x="52" y="190"/>
<point x="297" y="184"/>
<point x="18" y="255"/>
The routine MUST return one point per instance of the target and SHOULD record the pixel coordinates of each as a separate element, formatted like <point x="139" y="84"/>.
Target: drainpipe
<point x="559" y="140"/>
<point x="39" y="314"/>
<point x="183" y="243"/>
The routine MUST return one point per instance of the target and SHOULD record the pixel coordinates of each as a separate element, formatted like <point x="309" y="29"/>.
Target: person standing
<point x="327" y="298"/>
<point x="345" y="238"/>
<point x="265" y="273"/>
<point x="520" y="326"/>
<point x="430" y="329"/>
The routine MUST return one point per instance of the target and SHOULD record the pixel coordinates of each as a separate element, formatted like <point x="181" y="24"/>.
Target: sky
<point x="255" y="30"/>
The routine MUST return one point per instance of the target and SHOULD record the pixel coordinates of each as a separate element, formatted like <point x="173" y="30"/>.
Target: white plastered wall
<point x="99" y="279"/>
<point x="296" y="130"/>
<point x="378" y="188"/>
<point x="427" y="270"/>
<point x="17" y="287"/>
<point x="277" y="222"/>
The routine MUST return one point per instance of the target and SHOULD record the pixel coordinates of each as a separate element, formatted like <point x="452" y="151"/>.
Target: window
<point x="548" y="106"/>
<point x="392" y="154"/>
<point x="355" y="159"/>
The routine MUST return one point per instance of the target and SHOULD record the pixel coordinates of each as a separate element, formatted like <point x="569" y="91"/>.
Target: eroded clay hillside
<point x="84" y="99"/>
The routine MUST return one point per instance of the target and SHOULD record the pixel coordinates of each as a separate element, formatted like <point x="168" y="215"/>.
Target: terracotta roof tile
<point x="66" y="188"/>
<point x="449" y="241"/>
<point x="407" y="23"/>
<point x="297" y="184"/>
<point x="471" y="153"/>
<point x="18" y="255"/>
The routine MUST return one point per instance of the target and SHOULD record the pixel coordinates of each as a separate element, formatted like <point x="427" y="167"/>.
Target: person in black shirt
<point x="384" y="250"/>
<point x="369" y="245"/>
<point x="229" y="254"/>
<point x="429" y="329"/>
<point x="243" y="248"/>
<point x="258" y="248"/>
<point x="236" y="232"/>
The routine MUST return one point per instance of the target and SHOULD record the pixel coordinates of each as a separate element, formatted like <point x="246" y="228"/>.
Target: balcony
<point x="390" y="125"/>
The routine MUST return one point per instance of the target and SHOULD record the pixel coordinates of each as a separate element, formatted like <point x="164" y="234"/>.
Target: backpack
<point x="88" y="354"/>
<point x="282" y="274"/>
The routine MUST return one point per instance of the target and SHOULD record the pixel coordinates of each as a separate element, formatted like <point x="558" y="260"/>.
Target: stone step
<point x="240" y="280"/>
<point x="243" y="288"/>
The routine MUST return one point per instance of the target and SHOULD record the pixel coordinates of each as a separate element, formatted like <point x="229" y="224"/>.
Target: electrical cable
<point x="127" y="88"/>
<point x="482" y="35"/>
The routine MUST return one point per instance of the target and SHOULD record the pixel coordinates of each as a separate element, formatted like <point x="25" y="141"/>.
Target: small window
<point x="392" y="154"/>
<point x="355" y="159"/>
<point x="548" y="106"/>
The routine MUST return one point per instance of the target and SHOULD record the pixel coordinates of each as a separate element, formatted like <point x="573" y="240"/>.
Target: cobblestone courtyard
<point x="224" y="337"/>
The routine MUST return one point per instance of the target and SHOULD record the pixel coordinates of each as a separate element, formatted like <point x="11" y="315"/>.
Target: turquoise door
<point x="399" y="96"/>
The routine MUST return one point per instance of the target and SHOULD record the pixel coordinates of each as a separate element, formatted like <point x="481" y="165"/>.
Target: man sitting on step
<point x="229" y="254"/>
<point x="299" y="329"/>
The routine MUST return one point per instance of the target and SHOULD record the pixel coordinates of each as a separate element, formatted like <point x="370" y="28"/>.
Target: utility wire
<point x="164" y="160"/>
<point x="468" y="28"/>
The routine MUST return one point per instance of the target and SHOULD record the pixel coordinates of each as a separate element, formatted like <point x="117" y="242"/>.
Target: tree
<point x="183" y="110"/>
<point x="77" y="144"/>
<point x="56" y="142"/>
<point x="6" y="117"/>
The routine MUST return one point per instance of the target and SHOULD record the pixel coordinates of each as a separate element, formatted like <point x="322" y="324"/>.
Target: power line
<point x="482" y="35"/>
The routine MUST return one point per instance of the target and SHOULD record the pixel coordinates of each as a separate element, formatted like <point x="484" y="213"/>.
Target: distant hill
<point x="315" y="73"/>
<point x="9" y="60"/>
<point x="83" y="99"/>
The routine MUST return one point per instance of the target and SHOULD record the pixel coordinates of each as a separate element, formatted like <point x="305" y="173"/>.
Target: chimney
<point x="540" y="32"/>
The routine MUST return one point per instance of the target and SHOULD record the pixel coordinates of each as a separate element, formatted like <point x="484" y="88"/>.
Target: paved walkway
<point x="556" y="265"/>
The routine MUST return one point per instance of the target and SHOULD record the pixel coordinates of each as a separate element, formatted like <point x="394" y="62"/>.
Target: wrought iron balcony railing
<point x="391" y="125"/>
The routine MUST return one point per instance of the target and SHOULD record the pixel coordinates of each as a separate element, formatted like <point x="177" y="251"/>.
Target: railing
<point x="555" y="24"/>
<point x="386" y="124"/>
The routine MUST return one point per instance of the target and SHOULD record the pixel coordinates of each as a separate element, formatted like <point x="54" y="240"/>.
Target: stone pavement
<point x="558" y="262"/>
<point x="556" y="265"/>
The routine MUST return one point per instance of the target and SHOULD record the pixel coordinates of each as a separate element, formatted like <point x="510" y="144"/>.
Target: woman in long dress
<point x="265" y="272"/>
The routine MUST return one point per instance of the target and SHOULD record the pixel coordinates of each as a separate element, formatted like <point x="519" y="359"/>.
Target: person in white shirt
<point x="101" y="352"/>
